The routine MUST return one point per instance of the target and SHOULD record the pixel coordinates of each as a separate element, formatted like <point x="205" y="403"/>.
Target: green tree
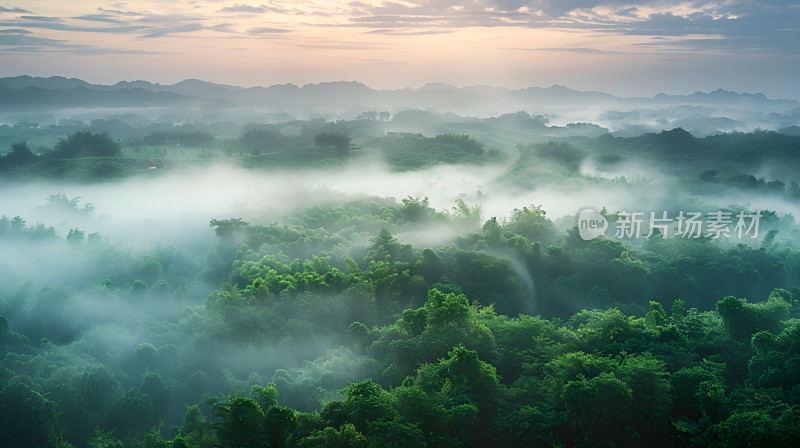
<point x="26" y="417"/>
<point x="146" y="356"/>
<point x="346" y="436"/>
<point x="465" y="215"/>
<point x="333" y="140"/>
<point x="243" y="423"/>
<point x="385" y="244"/>
<point x="487" y="278"/>
<point x="86" y="144"/>
<point x="532" y="223"/>
<point x="432" y="266"/>
<point x="367" y="402"/>
<point x="60" y="203"/>
<point x="133" y="414"/>
<point x="462" y="376"/>
<point x="264" y="396"/>
<point x="656" y="317"/>
<point x="492" y="231"/>
<point x="461" y="142"/>
<point x="393" y="434"/>
<point x="441" y="308"/>
<point x="104" y="439"/>
<point x="688" y="383"/>
<point x="99" y="388"/>
<point x="415" y="209"/>
<point x="76" y="236"/>
<point x="742" y="319"/>
<point x="259" y="140"/>
<point x="21" y="155"/>
<point x="599" y="407"/>
<point x="280" y="423"/>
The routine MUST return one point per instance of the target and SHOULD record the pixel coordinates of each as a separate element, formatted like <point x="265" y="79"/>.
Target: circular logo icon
<point x="591" y="224"/>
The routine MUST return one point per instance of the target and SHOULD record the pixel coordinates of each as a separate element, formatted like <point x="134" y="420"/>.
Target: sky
<point x="637" y="48"/>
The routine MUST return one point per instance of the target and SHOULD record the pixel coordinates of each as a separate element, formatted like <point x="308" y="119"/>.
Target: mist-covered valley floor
<point x="421" y="280"/>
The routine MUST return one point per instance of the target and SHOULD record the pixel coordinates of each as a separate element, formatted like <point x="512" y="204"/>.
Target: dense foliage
<point x="433" y="347"/>
<point x="337" y="326"/>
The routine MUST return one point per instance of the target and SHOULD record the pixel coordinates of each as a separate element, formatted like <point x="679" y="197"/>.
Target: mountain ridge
<point x="58" y="82"/>
<point x="60" y="92"/>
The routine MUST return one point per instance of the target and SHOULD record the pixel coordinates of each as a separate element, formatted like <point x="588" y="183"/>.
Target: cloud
<point x="268" y="30"/>
<point x="91" y="50"/>
<point x="163" y="31"/>
<point x="42" y="19"/>
<point x="243" y="8"/>
<point x="745" y="26"/>
<point x="29" y="40"/>
<point x="444" y="14"/>
<point x="670" y="16"/>
<point x="406" y="32"/>
<point x="120" y="12"/>
<point x="15" y="31"/>
<point x="223" y="28"/>
<point x="240" y="8"/>
<point x="394" y="21"/>
<point x="338" y="45"/>
<point x="753" y="32"/>
<point x="58" y="26"/>
<point x="24" y="42"/>
<point x="19" y="10"/>
<point x="167" y="18"/>
<point x="714" y="25"/>
<point x="146" y="25"/>
<point x="579" y="50"/>
<point x="99" y="18"/>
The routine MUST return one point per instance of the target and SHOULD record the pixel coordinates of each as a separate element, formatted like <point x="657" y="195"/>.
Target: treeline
<point x="709" y="165"/>
<point x="328" y="330"/>
<point x="79" y="144"/>
<point x="294" y="143"/>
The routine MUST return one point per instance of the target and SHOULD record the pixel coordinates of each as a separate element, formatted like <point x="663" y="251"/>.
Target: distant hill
<point x="26" y="93"/>
<point x="51" y="83"/>
<point x="791" y="130"/>
<point x="39" y="98"/>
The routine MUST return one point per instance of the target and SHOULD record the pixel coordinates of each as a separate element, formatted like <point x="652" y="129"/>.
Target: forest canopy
<point x="306" y="283"/>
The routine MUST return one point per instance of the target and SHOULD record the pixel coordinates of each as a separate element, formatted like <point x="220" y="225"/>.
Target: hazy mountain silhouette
<point x="35" y="98"/>
<point x="791" y="130"/>
<point x="26" y="93"/>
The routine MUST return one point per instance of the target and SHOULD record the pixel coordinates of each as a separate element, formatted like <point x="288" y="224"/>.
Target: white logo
<point x="591" y="224"/>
